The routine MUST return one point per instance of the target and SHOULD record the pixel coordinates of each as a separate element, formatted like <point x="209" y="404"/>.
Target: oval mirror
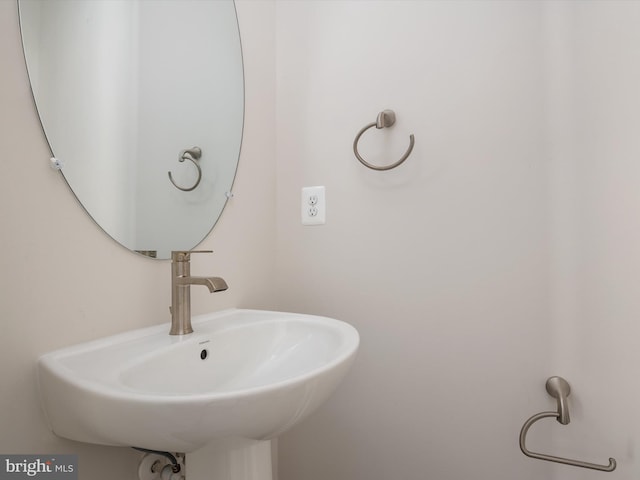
<point x="142" y="103"/>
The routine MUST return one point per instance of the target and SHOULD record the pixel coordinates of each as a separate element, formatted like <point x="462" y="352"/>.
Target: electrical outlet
<point x="313" y="207"/>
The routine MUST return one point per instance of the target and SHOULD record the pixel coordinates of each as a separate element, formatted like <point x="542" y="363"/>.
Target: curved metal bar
<point x="550" y="458"/>
<point x="192" y="154"/>
<point x="385" y="118"/>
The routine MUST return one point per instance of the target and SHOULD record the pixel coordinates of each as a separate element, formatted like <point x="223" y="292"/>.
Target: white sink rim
<point x="52" y="359"/>
<point x="318" y="382"/>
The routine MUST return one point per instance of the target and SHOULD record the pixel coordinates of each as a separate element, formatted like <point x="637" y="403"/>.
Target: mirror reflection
<point x="142" y="102"/>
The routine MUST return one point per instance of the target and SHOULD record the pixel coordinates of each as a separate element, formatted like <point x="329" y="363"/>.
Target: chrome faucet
<point x="181" y="281"/>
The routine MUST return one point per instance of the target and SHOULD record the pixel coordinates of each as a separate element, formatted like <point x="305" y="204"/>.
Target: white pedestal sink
<point x="242" y="378"/>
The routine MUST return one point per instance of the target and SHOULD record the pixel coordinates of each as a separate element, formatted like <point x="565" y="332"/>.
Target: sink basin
<point x="245" y="374"/>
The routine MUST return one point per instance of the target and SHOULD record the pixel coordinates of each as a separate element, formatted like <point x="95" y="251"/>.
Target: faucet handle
<point x="184" y="255"/>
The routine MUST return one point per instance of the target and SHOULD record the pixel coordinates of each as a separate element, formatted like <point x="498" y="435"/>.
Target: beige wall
<point x="441" y="264"/>
<point x="504" y="251"/>
<point x="596" y="231"/>
<point x="64" y="281"/>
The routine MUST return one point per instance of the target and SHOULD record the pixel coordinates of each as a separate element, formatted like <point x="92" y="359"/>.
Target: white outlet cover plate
<point x="313" y="206"/>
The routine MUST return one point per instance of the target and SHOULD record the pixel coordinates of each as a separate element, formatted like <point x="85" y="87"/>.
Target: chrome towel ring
<point x="558" y="388"/>
<point x="192" y="154"/>
<point x="385" y="118"/>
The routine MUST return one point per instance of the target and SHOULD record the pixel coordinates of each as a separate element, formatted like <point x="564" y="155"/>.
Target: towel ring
<point x="385" y="118"/>
<point x="192" y="154"/>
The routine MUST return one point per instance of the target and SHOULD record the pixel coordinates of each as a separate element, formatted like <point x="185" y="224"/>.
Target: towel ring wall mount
<point x="385" y="119"/>
<point x="192" y="154"/>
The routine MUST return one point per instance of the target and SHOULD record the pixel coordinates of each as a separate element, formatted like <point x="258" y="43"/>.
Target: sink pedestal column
<point x="240" y="460"/>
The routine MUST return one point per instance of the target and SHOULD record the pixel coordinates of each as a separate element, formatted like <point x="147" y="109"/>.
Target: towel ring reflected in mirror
<point x="192" y="154"/>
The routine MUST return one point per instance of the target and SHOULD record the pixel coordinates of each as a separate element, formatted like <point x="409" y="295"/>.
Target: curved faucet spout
<point x="214" y="284"/>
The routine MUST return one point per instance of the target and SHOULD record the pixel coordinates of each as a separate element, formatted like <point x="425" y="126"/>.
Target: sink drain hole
<point x="204" y="354"/>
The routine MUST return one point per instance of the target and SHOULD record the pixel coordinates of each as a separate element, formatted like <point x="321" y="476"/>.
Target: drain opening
<point x="204" y="354"/>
